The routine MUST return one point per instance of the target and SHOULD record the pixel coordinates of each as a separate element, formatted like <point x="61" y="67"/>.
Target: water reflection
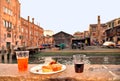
<point x="68" y="60"/>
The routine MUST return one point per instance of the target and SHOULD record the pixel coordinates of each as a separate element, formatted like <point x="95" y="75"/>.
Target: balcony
<point x="9" y="29"/>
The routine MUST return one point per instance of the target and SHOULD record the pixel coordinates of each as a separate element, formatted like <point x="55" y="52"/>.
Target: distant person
<point x="79" y="45"/>
<point x="86" y="42"/>
<point x="82" y="46"/>
<point x="74" y="46"/>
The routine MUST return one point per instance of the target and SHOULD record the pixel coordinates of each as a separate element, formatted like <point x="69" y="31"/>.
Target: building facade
<point x="113" y="30"/>
<point x="15" y="30"/>
<point x="97" y="35"/>
<point x="79" y="35"/>
<point x="97" y="32"/>
<point x="62" y="37"/>
<point x="31" y="34"/>
<point x="9" y="23"/>
<point x="48" y="37"/>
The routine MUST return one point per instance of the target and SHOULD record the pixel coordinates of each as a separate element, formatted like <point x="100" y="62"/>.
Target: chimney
<point x="98" y="20"/>
<point x="98" y="30"/>
<point x="33" y="20"/>
<point x="28" y="18"/>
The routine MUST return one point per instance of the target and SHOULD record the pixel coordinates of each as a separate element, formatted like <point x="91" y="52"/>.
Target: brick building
<point x="113" y="30"/>
<point x="15" y="30"/>
<point x="31" y="34"/>
<point x="97" y="32"/>
<point x="9" y="23"/>
<point x="62" y="37"/>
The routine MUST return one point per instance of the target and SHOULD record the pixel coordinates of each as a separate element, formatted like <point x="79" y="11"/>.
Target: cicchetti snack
<point x="52" y="67"/>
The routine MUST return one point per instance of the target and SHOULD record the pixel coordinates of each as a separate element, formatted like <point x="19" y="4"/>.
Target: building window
<point x="94" y="29"/>
<point x="8" y="1"/>
<point x="4" y="23"/>
<point x="7" y="11"/>
<point x="20" y="37"/>
<point x="10" y="25"/>
<point x="7" y="24"/>
<point x="112" y="24"/>
<point x="16" y="43"/>
<point x="109" y="25"/>
<point x="118" y="21"/>
<point x="93" y="34"/>
<point x="22" y="30"/>
<point x="8" y="35"/>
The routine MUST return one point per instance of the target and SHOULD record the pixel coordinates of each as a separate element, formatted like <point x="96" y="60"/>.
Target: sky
<point x="69" y="16"/>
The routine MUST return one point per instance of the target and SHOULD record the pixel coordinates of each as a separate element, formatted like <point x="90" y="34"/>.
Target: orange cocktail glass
<point x="22" y="60"/>
<point x="22" y="64"/>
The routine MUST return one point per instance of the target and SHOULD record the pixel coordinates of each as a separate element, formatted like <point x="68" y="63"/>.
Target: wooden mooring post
<point x="0" y="58"/>
<point x="10" y="55"/>
<point x="10" y="58"/>
<point x="4" y="56"/>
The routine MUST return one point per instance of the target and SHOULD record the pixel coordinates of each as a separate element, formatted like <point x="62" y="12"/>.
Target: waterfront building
<point x="48" y="37"/>
<point x="63" y="38"/>
<point x="97" y="32"/>
<point x="15" y="30"/>
<point x="113" y="30"/>
<point x="79" y="35"/>
<point x="31" y="34"/>
<point x="9" y="23"/>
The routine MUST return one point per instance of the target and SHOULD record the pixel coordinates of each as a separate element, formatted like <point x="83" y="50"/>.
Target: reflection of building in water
<point x="106" y="59"/>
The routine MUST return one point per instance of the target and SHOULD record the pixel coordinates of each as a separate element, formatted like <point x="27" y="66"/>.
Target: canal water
<point x="69" y="59"/>
<point x="91" y="59"/>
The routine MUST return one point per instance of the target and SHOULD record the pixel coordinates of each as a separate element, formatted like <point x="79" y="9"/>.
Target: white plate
<point x="39" y="68"/>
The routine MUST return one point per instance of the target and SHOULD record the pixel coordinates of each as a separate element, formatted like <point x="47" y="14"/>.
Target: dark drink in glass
<point x="79" y="68"/>
<point x="79" y="60"/>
